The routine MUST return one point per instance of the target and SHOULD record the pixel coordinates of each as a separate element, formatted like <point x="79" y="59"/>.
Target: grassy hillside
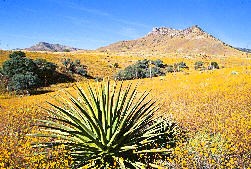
<point x="212" y="106"/>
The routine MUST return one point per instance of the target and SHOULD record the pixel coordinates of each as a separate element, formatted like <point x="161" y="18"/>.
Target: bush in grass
<point x="141" y="69"/>
<point x="18" y="65"/>
<point x="169" y="69"/>
<point x="74" y="67"/>
<point x="45" y="71"/>
<point x="81" y="71"/>
<point x="159" y="63"/>
<point x="17" y="54"/>
<point x="131" y="72"/>
<point x="24" y="81"/>
<point x="155" y="72"/>
<point x="213" y="65"/>
<point x="198" y="65"/>
<point x="180" y="66"/>
<point x="22" y="73"/>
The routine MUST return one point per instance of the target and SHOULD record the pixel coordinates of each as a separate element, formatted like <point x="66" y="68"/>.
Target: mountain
<point x="44" y="46"/>
<point x="189" y="41"/>
<point x="244" y="50"/>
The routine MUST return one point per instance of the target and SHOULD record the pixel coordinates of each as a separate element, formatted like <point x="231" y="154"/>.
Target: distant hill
<point x="192" y="40"/>
<point x="244" y="50"/>
<point x="44" y="46"/>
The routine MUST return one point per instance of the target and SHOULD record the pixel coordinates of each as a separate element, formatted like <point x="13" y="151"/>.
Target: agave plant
<point x="108" y="126"/>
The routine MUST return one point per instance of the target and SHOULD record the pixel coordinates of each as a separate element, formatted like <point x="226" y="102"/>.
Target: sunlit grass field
<point x="213" y="107"/>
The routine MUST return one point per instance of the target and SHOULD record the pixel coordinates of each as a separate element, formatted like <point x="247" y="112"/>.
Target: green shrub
<point x="141" y="69"/>
<point x="23" y="82"/>
<point x="179" y="66"/>
<point x="45" y="71"/>
<point x="158" y="63"/>
<point x="213" y="65"/>
<point x="81" y="71"/>
<point x="198" y="65"/>
<point x="67" y="50"/>
<point x="155" y="71"/>
<point x="66" y="63"/>
<point x="143" y="64"/>
<point x="131" y="72"/>
<point x="77" y="62"/>
<point x="21" y="73"/>
<point x="74" y="67"/>
<point x="169" y="69"/>
<point x="18" y="65"/>
<point x="17" y="54"/>
<point x="109" y="127"/>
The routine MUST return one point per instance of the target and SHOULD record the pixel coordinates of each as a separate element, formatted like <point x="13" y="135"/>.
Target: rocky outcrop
<point x="163" y="31"/>
<point x="194" y="32"/>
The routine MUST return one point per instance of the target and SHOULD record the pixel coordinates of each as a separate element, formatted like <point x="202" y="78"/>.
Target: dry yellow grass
<point x="213" y="106"/>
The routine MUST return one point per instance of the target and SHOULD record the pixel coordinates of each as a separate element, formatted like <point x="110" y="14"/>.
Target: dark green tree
<point x="18" y="64"/>
<point x="21" y="73"/>
<point x="45" y="70"/>
<point x="17" y="54"/>
<point x="24" y="81"/>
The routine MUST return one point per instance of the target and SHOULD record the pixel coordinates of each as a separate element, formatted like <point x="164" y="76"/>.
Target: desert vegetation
<point x="72" y="67"/>
<point x="206" y="114"/>
<point x="109" y="128"/>
<point x="141" y="69"/>
<point x="149" y="68"/>
<point x="22" y="74"/>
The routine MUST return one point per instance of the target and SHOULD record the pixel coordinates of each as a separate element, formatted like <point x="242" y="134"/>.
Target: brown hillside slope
<point x="190" y="41"/>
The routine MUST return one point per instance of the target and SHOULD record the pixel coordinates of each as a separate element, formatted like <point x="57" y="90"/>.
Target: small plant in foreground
<point x="109" y="127"/>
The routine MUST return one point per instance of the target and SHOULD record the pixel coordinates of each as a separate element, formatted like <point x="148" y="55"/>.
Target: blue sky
<point x="90" y="24"/>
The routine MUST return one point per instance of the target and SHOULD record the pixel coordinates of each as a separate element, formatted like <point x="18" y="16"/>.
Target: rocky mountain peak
<point x="44" y="46"/>
<point x="163" y="31"/>
<point x="192" y="31"/>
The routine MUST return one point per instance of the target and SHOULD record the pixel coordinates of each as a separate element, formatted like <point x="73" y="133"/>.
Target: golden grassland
<point x="212" y="106"/>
